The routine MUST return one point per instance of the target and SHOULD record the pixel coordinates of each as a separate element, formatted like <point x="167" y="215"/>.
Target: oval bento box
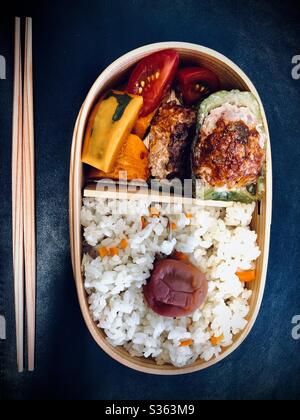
<point x="231" y="76"/>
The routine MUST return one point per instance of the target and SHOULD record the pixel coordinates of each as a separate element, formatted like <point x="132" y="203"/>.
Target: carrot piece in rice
<point x="215" y="341"/>
<point x="123" y="243"/>
<point x="246" y="276"/>
<point x="188" y="215"/>
<point x="180" y="256"/>
<point x="186" y="343"/>
<point x="103" y="251"/>
<point x="143" y="222"/>
<point x="113" y="251"/>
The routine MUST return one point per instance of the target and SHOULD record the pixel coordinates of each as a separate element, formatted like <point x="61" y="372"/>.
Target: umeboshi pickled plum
<point x="175" y="288"/>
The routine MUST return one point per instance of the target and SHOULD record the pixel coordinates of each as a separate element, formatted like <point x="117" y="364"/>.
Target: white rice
<point x="218" y="241"/>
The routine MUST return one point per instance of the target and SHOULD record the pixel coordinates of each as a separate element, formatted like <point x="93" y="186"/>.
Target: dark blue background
<point x="73" y="42"/>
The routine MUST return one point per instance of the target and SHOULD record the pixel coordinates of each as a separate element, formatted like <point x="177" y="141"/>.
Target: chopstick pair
<point x="23" y="196"/>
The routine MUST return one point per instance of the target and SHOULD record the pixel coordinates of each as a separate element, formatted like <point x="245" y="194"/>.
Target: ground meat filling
<point x="170" y="135"/>
<point x="230" y="156"/>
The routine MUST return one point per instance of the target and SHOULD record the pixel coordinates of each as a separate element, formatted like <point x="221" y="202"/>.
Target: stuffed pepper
<point x="228" y="154"/>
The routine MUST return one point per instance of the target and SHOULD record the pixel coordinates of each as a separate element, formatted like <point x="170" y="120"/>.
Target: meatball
<point x="175" y="288"/>
<point x="230" y="156"/>
<point x="169" y="141"/>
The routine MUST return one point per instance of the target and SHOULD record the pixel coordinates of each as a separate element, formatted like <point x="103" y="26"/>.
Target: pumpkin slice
<point x="132" y="160"/>
<point x="142" y="125"/>
<point x="108" y="128"/>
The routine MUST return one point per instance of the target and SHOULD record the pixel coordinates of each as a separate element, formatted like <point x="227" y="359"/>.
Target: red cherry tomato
<point x="196" y="83"/>
<point x="152" y="77"/>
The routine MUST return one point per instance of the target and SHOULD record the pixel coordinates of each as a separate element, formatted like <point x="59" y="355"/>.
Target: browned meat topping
<point x="169" y="138"/>
<point x="230" y="156"/>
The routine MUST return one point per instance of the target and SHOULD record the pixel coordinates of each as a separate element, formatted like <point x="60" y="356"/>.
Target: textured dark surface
<point x="73" y="42"/>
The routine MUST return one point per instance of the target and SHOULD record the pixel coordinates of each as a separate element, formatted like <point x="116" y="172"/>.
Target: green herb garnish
<point x="123" y="100"/>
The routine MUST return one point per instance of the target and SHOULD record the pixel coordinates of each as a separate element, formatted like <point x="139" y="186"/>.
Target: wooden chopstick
<point x="29" y="196"/>
<point x="104" y="192"/>
<point x="17" y="199"/>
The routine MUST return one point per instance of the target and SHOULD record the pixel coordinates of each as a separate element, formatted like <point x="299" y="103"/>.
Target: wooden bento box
<point x="231" y="76"/>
